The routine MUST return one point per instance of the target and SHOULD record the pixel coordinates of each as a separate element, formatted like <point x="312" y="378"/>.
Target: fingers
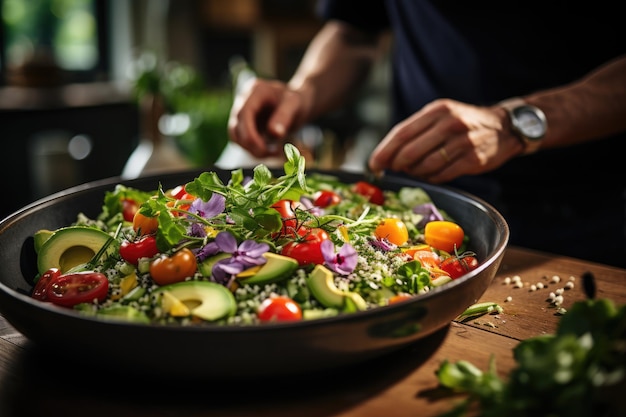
<point x="261" y="116"/>
<point x="443" y="141"/>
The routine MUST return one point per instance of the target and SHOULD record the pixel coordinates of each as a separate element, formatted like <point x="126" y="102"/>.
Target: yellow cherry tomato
<point x="392" y="229"/>
<point x="444" y="235"/>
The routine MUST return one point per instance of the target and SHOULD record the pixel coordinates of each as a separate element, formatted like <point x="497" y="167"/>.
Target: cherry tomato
<point x="307" y="250"/>
<point x="287" y="210"/>
<point x="279" y="309"/>
<point x="170" y="269"/>
<point x="457" y="266"/>
<point x="372" y="192"/>
<point x="144" y="225"/>
<point x="399" y="298"/>
<point x="41" y="287"/>
<point x="178" y="192"/>
<point x="79" y="287"/>
<point x="129" y="208"/>
<point x="326" y="198"/>
<point x="145" y="247"/>
<point x="444" y="235"/>
<point x="427" y="258"/>
<point x="392" y="229"/>
<point x="178" y="205"/>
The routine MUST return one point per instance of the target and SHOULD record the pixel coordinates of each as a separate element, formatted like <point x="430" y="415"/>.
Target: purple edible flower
<point x="312" y="208"/>
<point x="430" y="213"/>
<point x="208" y="209"/>
<point x="249" y="253"/>
<point x="342" y="262"/>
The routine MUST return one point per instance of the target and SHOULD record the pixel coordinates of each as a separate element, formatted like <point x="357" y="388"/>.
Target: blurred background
<point x="91" y="89"/>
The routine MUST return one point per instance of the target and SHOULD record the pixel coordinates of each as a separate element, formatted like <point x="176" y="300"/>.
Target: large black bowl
<point x="277" y="349"/>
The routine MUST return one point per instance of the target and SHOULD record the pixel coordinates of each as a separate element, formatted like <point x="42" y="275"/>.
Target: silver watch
<point x="528" y="122"/>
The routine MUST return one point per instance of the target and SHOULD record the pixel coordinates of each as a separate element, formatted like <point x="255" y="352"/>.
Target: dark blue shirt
<point x="482" y="52"/>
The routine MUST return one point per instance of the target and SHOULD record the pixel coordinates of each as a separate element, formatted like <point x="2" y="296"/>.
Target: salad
<point x="250" y="250"/>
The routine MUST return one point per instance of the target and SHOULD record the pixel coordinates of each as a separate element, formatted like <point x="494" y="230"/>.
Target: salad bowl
<point x="235" y="351"/>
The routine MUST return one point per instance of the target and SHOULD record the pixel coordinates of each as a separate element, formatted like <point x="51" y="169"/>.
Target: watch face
<point x="529" y="122"/>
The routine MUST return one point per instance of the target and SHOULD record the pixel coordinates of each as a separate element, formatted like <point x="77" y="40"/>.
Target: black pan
<point x="198" y="352"/>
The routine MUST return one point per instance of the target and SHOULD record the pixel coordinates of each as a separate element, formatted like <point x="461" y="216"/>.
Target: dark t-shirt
<point x="559" y="200"/>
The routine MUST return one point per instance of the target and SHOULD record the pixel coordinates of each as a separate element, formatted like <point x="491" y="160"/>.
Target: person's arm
<point x="587" y="109"/>
<point x="337" y="60"/>
<point x="447" y="139"/>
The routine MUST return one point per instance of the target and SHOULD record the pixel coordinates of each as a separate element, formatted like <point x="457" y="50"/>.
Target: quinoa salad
<point x="250" y="250"/>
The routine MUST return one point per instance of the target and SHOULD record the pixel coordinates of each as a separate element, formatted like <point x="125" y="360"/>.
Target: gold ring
<point x="444" y="154"/>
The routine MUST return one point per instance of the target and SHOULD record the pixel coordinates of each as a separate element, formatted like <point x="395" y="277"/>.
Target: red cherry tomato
<point x="170" y="269"/>
<point x="279" y="309"/>
<point x="307" y="250"/>
<point x="129" y="208"/>
<point x="145" y="247"/>
<point x="287" y="210"/>
<point x="80" y="287"/>
<point x="326" y="198"/>
<point x="444" y="235"/>
<point x="372" y="192"/>
<point x="457" y="266"/>
<point x="178" y="192"/>
<point x="40" y="291"/>
<point x="392" y="229"/>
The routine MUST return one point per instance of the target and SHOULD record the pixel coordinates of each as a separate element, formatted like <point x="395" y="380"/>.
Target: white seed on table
<point x="559" y="291"/>
<point x="508" y="299"/>
<point x="569" y="285"/>
<point x="556" y="278"/>
<point x="558" y="300"/>
<point x="540" y="285"/>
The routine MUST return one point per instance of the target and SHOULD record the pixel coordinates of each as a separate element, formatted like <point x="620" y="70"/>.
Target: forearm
<point x="336" y="62"/>
<point x="590" y="108"/>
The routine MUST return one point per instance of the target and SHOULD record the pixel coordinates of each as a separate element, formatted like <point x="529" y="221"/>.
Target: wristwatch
<point x="528" y="122"/>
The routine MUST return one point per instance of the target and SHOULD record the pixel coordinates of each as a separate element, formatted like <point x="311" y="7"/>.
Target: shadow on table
<point x="47" y="383"/>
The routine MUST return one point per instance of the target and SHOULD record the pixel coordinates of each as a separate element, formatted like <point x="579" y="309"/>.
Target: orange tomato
<point x="170" y="269"/>
<point x="444" y="235"/>
<point x="392" y="229"/>
<point x="145" y="225"/>
<point x="427" y="258"/>
<point x="399" y="298"/>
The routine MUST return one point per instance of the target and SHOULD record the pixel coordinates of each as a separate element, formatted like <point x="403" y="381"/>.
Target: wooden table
<point x="34" y="383"/>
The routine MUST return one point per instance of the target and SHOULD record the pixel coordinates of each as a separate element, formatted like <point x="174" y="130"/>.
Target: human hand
<point x="447" y="139"/>
<point x="262" y="115"/>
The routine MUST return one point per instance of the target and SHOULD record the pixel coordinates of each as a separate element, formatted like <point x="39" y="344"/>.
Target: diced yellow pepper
<point x="173" y="305"/>
<point x="127" y="283"/>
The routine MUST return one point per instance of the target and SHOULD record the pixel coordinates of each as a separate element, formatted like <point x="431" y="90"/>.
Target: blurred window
<point x="67" y="35"/>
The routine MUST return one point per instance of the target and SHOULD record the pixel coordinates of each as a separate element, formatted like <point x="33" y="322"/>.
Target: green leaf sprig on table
<point x="578" y="371"/>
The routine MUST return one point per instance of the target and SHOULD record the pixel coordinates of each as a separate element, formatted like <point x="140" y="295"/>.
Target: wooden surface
<point x="34" y="383"/>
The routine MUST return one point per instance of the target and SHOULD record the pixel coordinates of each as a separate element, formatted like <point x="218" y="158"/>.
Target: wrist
<point x="526" y="122"/>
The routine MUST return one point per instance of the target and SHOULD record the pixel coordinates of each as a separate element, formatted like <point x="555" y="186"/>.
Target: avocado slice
<point x="122" y="312"/>
<point x="322" y="286"/>
<point x="71" y="246"/>
<point x="206" y="267"/>
<point x="277" y="268"/>
<point x="40" y="238"/>
<point x="206" y="300"/>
